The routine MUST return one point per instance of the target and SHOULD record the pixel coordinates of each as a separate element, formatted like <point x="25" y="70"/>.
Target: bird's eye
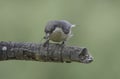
<point x="53" y="28"/>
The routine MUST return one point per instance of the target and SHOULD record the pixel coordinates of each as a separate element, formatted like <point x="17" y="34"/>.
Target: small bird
<point x="58" y="31"/>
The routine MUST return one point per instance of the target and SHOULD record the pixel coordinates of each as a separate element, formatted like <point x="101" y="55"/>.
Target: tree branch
<point x="36" y="52"/>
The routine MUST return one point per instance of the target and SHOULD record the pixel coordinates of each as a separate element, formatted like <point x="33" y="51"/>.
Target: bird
<point x="58" y="31"/>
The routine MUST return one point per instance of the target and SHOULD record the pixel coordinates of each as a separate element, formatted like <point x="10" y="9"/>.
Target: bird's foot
<point x="46" y="44"/>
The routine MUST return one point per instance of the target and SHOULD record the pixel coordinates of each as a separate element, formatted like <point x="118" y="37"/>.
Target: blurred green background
<point x="98" y="29"/>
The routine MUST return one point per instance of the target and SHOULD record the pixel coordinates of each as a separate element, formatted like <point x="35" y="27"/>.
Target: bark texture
<point x="37" y="52"/>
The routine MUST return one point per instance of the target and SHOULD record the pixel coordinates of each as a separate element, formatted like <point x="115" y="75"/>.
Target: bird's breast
<point x="58" y="36"/>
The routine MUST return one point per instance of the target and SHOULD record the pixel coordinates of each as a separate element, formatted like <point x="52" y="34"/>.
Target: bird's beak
<point x="73" y="25"/>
